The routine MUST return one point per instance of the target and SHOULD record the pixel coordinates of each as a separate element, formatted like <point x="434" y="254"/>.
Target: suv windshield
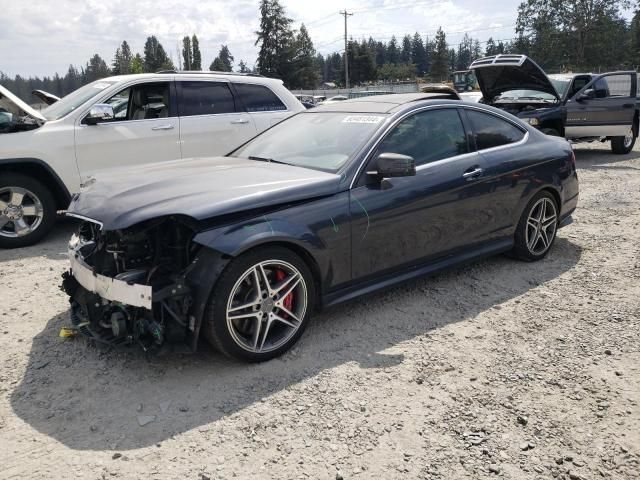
<point x="69" y="103"/>
<point x="318" y="140"/>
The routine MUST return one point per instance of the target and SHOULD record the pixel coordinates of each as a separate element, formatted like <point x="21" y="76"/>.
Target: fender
<point x="238" y="238"/>
<point x="43" y="172"/>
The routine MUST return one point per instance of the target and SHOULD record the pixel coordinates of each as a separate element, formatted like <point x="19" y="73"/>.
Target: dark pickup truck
<point x="578" y="106"/>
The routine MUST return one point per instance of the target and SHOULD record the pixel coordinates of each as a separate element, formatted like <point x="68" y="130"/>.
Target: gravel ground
<point x="497" y="369"/>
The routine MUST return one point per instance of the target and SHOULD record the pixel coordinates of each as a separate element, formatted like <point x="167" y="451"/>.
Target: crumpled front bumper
<point x="112" y="289"/>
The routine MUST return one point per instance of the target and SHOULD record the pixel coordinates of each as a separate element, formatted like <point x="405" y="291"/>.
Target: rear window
<point x="490" y="131"/>
<point x="205" y="98"/>
<point x="258" y="98"/>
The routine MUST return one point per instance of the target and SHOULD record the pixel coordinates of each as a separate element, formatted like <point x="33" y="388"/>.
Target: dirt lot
<point x="498" y="369"/>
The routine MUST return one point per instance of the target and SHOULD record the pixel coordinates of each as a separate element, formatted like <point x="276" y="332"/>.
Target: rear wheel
<point x="537" y="228"/>
<point x="623" y="145"/>
<point x="261" y="305"/>
<point x="27" y="210"/>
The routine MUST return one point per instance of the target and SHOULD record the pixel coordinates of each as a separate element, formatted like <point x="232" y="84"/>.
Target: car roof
<point x="381" y="103"/>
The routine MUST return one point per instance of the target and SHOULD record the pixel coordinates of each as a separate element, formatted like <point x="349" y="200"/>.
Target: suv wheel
<point x="260" y="305"/>
<point x="27" y="210"/>
<point x="537" y="228"/>
<point x="623" y="145"/>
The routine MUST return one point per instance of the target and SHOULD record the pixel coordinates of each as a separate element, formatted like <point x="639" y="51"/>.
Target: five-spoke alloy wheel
<point x="260" y="305"/>
<point x="27" y="210"/>
<point x="537" y="228"/>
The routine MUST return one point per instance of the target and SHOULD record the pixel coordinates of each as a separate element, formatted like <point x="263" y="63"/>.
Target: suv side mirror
<point x="588" y="94"/>
<point x="100" y="112"/>
<point x="395" y="165"/>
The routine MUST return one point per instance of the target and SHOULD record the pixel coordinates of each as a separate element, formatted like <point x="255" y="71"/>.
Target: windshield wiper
<point x="268" y="160"/>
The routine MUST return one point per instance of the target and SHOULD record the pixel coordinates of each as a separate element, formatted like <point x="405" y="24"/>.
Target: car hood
<point x="46" y="97"/>
<point x="17" y="107"/>
<point x="501" y="73"/>
<point x="201" y="188"/>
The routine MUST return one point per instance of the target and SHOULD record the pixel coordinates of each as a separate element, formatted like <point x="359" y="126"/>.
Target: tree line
<point x="561" y="35"/>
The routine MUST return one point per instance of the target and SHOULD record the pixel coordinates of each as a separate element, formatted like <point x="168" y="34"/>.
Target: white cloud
<point x="41" y="37"/>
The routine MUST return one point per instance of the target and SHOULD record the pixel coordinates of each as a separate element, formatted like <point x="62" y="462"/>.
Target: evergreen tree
<point x="196" y="54"/>
<point x="440" y="66"/>
<point x="137" y="64"/>
<point x="223" y="62"/>
<point x="187" y="53"/>
<point x="242" y="67"/>
<point x="303" y="72"/>
<point x="418" y="54"/>
<point x="405" y="53"/>
<point x="96" y="69"/>
<point x="155" y="56"/>
<point x="393" y="55"/>
<point x="275" y="39"/>
<point x="122" y="61"/>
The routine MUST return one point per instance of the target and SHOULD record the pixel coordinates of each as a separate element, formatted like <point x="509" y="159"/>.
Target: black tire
<point x="217" y="328"/>
<point x="551" y="131"/>
<point x="524" y="232"/>
<point x="623" y="145"/>
<point x="47" y="203"/>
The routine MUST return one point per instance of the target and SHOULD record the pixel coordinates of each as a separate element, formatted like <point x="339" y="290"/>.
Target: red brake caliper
<point x="288" y="300"/>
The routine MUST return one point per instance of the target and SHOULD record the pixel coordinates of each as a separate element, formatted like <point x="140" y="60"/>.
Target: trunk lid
<point x="501" y="73"/>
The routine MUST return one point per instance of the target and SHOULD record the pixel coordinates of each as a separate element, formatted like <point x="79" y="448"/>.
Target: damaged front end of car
<point x="131" y="286"/>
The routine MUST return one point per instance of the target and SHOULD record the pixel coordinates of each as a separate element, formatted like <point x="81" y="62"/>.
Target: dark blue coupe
<point x="330" y="204"/>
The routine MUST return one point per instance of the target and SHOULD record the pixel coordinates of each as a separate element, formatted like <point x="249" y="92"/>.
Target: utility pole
<point x="346" y="54"/>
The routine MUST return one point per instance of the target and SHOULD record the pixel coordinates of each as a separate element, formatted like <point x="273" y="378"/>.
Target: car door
<point x="144" y="129"/>
<point x="404" y="221"/>
<point x="264" y="107"/>
<point x="604" y="107"/>
<point x="212" y="122"/>
<point x="502" y="144"/>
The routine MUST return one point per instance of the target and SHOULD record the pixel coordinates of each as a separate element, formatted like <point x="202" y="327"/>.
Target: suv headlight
<point x="532" y="121"/>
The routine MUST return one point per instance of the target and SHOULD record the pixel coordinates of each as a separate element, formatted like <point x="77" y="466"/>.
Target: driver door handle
<point x="472" y="173"/>
<point x="163" y="127"/>
<point x="241" y="121"/>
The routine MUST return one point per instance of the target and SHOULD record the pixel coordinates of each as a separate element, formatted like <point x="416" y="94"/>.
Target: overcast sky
<point x="40" y="37"/>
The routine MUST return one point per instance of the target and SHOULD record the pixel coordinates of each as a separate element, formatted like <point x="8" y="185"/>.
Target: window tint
<point x="141" y="102"/>
<point x="257" y="98"/>
<point x="427" y="136"/>
<point x="613" y="86"/>
<point x="205" y="98"/>
<point x="490" y="131"/>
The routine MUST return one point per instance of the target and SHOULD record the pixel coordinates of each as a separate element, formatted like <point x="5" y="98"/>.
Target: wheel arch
<point x="36" y="168"/>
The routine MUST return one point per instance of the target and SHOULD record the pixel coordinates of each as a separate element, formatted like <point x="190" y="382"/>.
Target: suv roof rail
<point x="200" y="72"/>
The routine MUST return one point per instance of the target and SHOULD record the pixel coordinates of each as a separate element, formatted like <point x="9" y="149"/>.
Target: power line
<point x="346" y="51"/>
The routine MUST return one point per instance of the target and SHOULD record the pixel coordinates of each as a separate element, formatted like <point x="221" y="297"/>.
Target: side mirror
<point x="395" y="165"/>
<point x="100" y="112"/>
<point x="588" y="94"/>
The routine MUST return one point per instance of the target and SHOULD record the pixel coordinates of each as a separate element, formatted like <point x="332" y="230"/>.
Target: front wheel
<point x="623" y="145"/>
<point x="27" y="210"/>
<point x="261" y="305"/>
<point x="537" y="228"/>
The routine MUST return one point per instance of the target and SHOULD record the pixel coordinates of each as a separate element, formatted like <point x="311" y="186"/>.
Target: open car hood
<point x="46" y="97"/>
<point x="200" y="188"/>
<point x="500" y="73"/>
<point x="15" y="106"/>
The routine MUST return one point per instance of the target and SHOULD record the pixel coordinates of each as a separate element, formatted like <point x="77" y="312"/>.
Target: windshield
<point x="511" y="95"/>
<point x="319" y="140"/>
<point x="560" y="85"/>
<point x="67" y="104"/>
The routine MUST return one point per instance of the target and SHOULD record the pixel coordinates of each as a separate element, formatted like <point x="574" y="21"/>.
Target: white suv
<point x="124" y="120"/>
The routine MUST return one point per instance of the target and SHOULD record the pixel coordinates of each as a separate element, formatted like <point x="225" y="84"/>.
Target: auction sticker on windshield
<point x="362" y="119"/>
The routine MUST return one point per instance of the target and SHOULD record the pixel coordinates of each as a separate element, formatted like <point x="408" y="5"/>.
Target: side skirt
<point x="349" y="293"/>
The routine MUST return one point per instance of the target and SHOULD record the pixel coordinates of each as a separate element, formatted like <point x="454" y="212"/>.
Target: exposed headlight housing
<point x="533" y="121"/>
